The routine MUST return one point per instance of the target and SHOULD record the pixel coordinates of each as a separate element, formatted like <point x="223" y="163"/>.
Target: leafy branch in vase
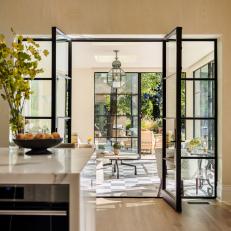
<point x="19" y="64"/>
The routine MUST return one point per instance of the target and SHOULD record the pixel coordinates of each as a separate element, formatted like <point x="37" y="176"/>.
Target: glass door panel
<point x="62" y="55"/>
<point x="39" y="104"/>
<point x="37" y="109"/>
<point x="45" y="62"/>
<point x="62" y="128"/>
<point x="116" y="113"/>
<point x="200" y="98"/>
<point x="171" y="179"/>
<point x="171" y="96"/>
<point x="62" y="97"/>
<point x="37" y="125"/>
<point x="170" y="160"/>
<point x="199" y="124"/>
<point x="199" y="177"/>
<point x="61" y="84"/>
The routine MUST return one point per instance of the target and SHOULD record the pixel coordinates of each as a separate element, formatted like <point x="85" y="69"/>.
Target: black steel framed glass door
<point x="171" y="161"/>
<point x="61" y="84"/>
<point x="116" y="113"/>
<point x="199" y="120"/>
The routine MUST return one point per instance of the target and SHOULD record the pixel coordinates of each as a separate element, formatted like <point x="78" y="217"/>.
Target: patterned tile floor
<point x="145" y="184"/>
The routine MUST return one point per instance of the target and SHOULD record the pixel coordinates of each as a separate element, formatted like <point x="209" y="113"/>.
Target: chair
<point x="158" y="140"/>
<point x="158" y="153"/>
<point x="127" y="144"/>
<point x="147" y="142"/>
<point x="189" y="170"/>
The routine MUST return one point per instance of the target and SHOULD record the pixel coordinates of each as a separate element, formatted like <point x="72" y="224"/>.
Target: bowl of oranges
<point x="38" y="143"/>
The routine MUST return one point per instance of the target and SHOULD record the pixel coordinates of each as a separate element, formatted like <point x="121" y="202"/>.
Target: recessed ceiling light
<point x="110" y="58"/>
<point x="81" y="36"/>
<point x="102" y="44"/>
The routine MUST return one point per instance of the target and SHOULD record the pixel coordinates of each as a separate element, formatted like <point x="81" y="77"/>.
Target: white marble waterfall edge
<point x="62" y="167"/>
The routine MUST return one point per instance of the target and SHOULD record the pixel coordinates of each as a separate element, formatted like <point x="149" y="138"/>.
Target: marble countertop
<point x="55" y="168"/>
<point x="64" y="166"/>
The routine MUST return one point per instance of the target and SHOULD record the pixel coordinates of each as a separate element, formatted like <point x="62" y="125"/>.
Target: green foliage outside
<point x="151" y="96"/>
<point x="17" y="61"/>
<point x="151" y="101"/>
<point x="150" y="85"/>
<point x="124" y="105"/>
<point x="183" y="94"/>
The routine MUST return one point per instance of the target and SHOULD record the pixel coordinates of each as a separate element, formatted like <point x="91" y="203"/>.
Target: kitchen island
<point x="64" y="166"/>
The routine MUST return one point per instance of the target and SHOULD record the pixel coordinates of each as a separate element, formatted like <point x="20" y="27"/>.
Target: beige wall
<point x="134" y="17"/>
<point x="83" y="103"/>
<point x="4" y="125"/>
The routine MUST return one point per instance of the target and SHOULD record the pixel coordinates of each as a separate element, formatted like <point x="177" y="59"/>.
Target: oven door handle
<point x="34" y="212"/>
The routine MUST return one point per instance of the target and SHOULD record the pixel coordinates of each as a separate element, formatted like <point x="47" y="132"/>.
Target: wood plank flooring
<point x="128" y="214"/>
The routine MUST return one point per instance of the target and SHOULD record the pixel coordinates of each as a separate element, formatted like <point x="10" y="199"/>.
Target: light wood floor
<point x="154" y="215"/>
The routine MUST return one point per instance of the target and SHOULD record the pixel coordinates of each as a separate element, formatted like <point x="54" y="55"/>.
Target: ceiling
<point x="133" y="54"/>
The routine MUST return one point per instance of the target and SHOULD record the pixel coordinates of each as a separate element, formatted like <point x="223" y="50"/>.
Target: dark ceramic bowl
<point x="38" y="146"/>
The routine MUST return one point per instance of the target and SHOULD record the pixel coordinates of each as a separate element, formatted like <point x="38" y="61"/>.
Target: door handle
<point x="33" y="212"/>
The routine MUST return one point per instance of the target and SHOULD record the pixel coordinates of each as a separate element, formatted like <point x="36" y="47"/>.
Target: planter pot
<point x="116" y="151"/>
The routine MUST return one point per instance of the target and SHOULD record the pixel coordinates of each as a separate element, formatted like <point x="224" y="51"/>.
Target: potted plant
<point x="117" y="147"/>
<point x="193" y="144"/>
<point x="18" y="65"/>
<point x="89" y="139"/>
<point x="128" y="127"/>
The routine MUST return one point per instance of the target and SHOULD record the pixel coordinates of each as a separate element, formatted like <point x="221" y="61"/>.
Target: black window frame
<point x="131" y="116"/>
<point x="162" y="41"/>
<point x="53" y="78"/>
<point x="41" y="79"/>
<point x="195" y="118"/>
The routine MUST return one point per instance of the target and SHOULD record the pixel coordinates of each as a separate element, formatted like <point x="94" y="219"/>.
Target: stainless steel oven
<point x="34" y="207"/>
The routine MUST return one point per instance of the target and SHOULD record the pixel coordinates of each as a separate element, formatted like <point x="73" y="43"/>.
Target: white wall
<point x="83" y="103"/>
<point x="4" y="111"/>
